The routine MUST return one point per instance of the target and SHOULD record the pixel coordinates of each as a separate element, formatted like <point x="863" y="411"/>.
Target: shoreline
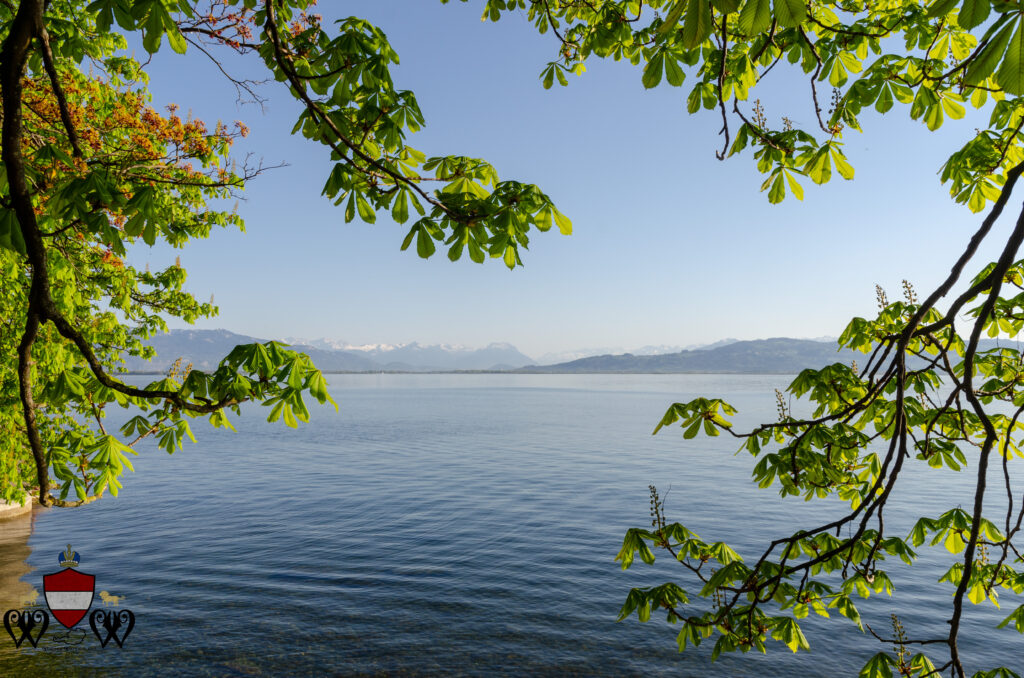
<point x="9" y="510"/>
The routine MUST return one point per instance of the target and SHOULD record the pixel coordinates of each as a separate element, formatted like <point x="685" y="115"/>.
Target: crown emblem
<point x="69" y="558"/>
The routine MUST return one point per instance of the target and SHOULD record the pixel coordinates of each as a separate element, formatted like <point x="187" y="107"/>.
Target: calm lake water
<point x="447" y="524"/>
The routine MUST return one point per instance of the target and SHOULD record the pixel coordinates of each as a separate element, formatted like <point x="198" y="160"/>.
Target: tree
<point x="926" y="394"/>
<point x="90" y="168"/>
<point x="868" y="424"/>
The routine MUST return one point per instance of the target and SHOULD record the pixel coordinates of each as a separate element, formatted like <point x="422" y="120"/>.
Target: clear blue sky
<point x="671" y="246"/>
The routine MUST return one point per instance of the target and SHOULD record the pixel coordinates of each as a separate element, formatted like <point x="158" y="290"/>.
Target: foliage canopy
<point x="89" y="168"/>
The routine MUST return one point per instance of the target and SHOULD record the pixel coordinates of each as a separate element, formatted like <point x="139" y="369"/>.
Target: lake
<point x="449" y="524"/>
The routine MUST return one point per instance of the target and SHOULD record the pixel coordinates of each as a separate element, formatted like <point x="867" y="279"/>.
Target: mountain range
<point x="205" y="348"/>
<point x="781" y="355"/>
<point x="415" y="357"/>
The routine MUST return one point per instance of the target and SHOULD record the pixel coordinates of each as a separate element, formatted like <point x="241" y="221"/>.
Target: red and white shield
<point x="69" y="595"/>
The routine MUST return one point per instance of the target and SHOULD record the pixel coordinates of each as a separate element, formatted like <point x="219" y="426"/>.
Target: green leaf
<point x="954" y="542"/>
<point x="990" y="531"/>
<point x="885" y="99"/>
<point x="941" y="8"/>
<point x="920" y="531"/>
<point x="476" y="253"/>
<point x="544" y="218"/>
<point x="755" y="16"/>
<point x="777" y="193"/>
<point x="510" y="256"/>
<point x="1017" y="617"/>
<point x="562" y="221"/>
<point x="972" y="13"/>
<point x="176" y="40"/>
<point x="933" y="117"/>
<point x="350" y="208"/>
<point x="794" y="185"/>
<point x="633" y="543"/>
<point x="218" y="419"/>
<point x="788" y="631"/>
<point x="1011" y="74"/>
<point x="688" y="634"/>
<point x="153" y="32"/>
<point x="977" y="593"/>
<point x="672" y="18"/>
<point x="548" y="77"/>
<point x="400" y="208"/>
<point x="697" y="23"/>
<point x="289" y="417"/>
<point x="424" y="243"/>
<point x="845" y="168"/>
<point x="790" y="13"/>
<point x="455" y="251"/>
<point x="922" y="665"/>
<point x="988" y="58"/>
<point x="837" y="74"/>
<point x="652" y="72"/>
<point x="366" y="213"/>
<point x="879" y="666"/>
<point x="726" y="6"/>
<point x="848" y="609"/>
<point x="673" y="72"/>
<point x="693" y="101"/>
<point x="633" y="600"/>
<point x="10" y="232"/>
<point x="1001" y="672"/>
<point x="819" y="169"/>
<point x="954" y="109"/>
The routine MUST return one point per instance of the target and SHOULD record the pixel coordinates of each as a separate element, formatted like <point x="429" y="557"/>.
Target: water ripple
<point x="457" y="525"/>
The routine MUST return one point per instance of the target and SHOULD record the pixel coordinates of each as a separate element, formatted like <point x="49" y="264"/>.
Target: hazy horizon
<point x="570" y="353"/>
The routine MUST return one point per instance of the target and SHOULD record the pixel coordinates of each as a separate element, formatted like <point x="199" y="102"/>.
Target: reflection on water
<point x="16" y="592"/>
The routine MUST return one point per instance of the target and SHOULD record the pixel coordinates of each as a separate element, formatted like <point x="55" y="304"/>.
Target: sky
<point x="670" y="245"/>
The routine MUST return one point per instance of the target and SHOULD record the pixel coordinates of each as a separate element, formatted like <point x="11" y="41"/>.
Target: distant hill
<point x="761" y="356"/>
<point x="577" y="354"/>
<point x="205" y="349"/>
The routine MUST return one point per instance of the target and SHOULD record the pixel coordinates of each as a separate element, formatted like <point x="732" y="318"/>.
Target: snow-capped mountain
<point x="498" y="355"/>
